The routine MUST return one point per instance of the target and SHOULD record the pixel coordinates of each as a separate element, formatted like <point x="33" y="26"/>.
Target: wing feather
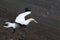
<point x="21" y="17"/>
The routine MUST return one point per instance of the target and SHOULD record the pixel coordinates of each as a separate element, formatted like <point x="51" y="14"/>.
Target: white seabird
<point x="20" y="19"/>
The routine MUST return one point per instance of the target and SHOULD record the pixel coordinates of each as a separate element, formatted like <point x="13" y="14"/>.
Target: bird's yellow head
<point x="31" y="19"/>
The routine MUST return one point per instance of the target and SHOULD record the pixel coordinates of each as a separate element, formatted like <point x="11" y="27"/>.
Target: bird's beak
<point x="35" y="21"/>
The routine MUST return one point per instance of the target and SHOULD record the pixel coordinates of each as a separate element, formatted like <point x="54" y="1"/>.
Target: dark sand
<point x="46" y="12"/>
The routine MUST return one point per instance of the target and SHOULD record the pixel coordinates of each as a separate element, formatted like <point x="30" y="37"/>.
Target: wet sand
<point x="46" y="12"/>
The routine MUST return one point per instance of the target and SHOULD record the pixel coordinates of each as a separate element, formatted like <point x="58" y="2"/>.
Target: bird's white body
<point x="21" y="20"/>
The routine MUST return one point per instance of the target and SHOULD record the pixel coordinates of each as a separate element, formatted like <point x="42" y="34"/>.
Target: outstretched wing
<point x="21" y="17"/>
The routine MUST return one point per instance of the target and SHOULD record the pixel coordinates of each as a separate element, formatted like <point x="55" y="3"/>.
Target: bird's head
<point x="31" y="19"/>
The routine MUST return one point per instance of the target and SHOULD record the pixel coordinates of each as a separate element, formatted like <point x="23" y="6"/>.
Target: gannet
<point x="20" y="20"/>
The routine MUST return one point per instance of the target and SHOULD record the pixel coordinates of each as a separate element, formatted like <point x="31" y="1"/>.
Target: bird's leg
<point x="13" y="30"/>
<point x="31" y="19"/>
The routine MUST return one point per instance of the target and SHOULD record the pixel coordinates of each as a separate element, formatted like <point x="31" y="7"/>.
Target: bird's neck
<point x="29" y="20"/>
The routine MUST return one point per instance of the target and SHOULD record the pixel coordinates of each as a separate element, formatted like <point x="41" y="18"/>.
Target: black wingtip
<point x="27" y="9"/>
<point x="5" y="24"/>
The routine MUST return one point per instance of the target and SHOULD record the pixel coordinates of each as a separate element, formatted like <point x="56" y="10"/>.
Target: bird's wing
<point x="21" y="17"/>
<point x="26" y="13"/>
